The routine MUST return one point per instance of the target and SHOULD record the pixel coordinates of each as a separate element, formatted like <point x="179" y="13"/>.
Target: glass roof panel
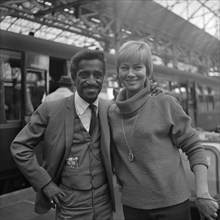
<point x="204" y="14"/>
<point x="22" y="26"/>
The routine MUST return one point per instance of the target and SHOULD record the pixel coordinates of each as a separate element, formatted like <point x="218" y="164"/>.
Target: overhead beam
<point x="205" y="6"/>
<point x="63" y="27"/>
<point x="61" y="7"/>
<point x="3" y="1"/>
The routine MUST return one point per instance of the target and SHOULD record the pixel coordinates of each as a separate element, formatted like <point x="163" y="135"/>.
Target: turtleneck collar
<point x="133" y="104"/>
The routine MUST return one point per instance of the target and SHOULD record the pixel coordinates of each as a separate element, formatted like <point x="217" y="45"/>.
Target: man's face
<point x="89" y="79"/>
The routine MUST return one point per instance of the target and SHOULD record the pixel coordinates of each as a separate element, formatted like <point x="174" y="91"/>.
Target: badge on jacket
<point x="72" y="162"/>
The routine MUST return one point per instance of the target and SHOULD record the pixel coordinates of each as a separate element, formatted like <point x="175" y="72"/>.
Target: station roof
<point x="107" y="23"/>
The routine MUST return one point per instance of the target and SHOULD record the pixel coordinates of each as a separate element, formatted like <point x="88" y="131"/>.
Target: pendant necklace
<point x="130" y="153"/>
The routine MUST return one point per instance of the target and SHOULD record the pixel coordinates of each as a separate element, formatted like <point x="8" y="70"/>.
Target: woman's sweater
<point x="155" y="178"/>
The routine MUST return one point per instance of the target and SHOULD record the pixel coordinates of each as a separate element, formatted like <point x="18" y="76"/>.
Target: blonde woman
<point x="147" y="133"/>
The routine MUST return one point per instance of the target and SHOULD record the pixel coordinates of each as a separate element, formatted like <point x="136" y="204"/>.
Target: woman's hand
<point x="155" y="90"/>
<point x="208" y="207"/>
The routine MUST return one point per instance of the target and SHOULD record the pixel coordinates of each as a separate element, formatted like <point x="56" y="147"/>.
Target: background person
<point x="115" y="92"/>
<point x="65" y="89"/>
<point x="76" y="174"/>
<point x="147" y="133"/>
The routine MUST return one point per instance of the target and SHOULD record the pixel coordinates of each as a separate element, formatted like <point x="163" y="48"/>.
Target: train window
<point x="210" y="99"/>
<point x="10" y="86"/>
<point x="206" y="100"/>
<point x="201" y="99"/>
<point x="216" y="97"/>
<point x="35" y="89"/>
<point x="177" y="90"/>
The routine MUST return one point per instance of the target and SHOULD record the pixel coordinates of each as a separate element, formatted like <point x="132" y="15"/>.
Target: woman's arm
<point x="206" y="205"/>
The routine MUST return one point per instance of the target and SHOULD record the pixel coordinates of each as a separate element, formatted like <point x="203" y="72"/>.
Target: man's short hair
<point x="85" y="54"/>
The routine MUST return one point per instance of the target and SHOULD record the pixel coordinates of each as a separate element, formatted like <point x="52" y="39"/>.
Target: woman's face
<point x="132" y="74"/>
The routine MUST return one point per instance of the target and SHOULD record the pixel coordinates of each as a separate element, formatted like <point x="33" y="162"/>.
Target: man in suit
<point x="65" y="89"/>
<point x="76" y="174"/>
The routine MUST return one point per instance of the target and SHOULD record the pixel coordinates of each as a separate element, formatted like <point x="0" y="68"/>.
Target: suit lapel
<point x="68" y="131"/>
<point x="104" y="128"/>
<point x="69" y="123"/>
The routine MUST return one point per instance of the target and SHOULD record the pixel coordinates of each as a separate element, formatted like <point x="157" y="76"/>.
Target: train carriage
<point x="199" y="95"/>
<point x="30" y="68"/>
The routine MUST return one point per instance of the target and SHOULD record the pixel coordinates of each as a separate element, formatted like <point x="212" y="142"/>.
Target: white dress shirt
<point x="83" y="110"/>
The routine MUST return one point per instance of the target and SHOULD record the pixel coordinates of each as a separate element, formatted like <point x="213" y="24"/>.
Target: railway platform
<point x="19" y="205"/>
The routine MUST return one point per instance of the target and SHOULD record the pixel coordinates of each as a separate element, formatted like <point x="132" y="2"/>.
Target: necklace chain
<point x="130" y="153"/>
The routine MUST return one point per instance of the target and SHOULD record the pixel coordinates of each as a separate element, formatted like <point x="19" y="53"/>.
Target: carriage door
<point x="11" y="110"/>
<point x="191" y="102"/>
<point x="188" y="100"/>
<point x="36" y="85"/>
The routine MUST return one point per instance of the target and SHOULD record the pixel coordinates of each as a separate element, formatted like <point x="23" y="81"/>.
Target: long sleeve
<point x="184" y="136"/>
<point x="22" y="149"/>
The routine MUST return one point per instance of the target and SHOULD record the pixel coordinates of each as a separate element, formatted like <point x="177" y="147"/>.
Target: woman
<point x="147" y="133"/>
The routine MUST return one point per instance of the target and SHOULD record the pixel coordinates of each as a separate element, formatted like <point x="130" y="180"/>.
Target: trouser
<point x="94" y="204"/>
<point x="177" y="212"/>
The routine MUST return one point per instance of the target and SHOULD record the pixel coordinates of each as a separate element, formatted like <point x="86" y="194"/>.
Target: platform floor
<point x="19" y="205"/>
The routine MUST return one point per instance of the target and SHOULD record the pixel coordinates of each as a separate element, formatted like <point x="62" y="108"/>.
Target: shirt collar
<point x="81" y="105"/>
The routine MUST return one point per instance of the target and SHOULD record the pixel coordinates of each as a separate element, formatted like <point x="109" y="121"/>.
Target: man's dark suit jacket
<point x="53" y="122"/>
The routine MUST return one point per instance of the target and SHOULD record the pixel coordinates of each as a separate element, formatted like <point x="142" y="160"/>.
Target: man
<point x="115" y="93"/>
<point x="76" y="171"/>
<point x="65" y="89"/>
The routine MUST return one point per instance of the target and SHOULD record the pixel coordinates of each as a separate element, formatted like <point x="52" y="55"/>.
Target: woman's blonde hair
<point x="138" y="50"/>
